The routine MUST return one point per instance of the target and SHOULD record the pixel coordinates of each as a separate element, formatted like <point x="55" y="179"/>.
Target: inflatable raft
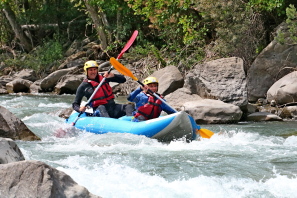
<point x="165" y="128"/>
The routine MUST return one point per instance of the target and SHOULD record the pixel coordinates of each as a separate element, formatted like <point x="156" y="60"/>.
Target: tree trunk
<point x="119" y="24"/>
<point x="24" y="40"/>
<point x="105" y="24"/>
<point x="99" y="24"/>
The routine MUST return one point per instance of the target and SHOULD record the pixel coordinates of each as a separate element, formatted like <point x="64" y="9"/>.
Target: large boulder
<point x="68" y="84"/>
<point x="37" y="179"/>
<point x="9" y="151"/>
<point x="210" y="111"/>
<point x="284" y="90"/>
<point x="49" y="82"/>
<point x="12" y="127"/>
<point x="223" y="79"/>
<point x="177" y="98"/>
<point x="274" y="62"/>
<point x="19" y="85"/>
<point x="204" y="111"/>
<point x="170" y="79"/>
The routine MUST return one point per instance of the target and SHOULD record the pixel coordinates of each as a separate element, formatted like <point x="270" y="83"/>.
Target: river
<point x="247" y="160"/>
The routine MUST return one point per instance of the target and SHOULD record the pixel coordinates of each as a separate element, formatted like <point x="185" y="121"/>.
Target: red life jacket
<point x="103" y="94"/>
<point x="150" y="110"/>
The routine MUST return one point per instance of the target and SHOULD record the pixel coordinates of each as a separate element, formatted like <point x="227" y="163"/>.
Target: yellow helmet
<point x="150" y="80"/>
<point x="89" y="64"/>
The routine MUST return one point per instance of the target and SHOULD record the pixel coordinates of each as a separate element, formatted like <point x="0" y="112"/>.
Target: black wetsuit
<point x="113" y="109"/>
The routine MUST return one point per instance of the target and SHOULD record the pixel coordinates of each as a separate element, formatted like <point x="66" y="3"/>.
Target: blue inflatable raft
<point x="165" y="128"/>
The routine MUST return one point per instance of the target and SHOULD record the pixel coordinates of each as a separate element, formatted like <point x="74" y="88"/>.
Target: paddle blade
<point x="59" y="133"/>
<point x="205" y="133"/>
<point x="129" y="43"/>
<point x="121" y="68"/>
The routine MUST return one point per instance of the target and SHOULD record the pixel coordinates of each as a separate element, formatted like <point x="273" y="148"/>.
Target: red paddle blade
<point x="128" y="45"/>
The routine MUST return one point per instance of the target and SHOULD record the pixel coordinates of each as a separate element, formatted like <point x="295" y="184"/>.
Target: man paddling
<point x="103" y="103"/>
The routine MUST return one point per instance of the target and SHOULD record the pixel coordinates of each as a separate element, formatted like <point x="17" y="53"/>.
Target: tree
<point x="100" y="24"/>
<point x="23" y="38"/>
<point x="113" y="20"/>
<point x="33" y="22"/>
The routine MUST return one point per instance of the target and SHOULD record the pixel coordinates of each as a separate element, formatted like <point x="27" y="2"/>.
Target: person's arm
<point x="115" y="78"/>
<point x="167" y="109"/>
<point x="132" y="96"/>
<point x="78" y="98"/>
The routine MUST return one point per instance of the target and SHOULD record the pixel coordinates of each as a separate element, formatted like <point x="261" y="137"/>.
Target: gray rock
<point x="12" y="127"/>
<point x="73" y="60"/>
<point x="274" y="62"/>
<point x="27" y="74"/>
<point x="5" y="79"/>
<point x="68" y="84"/>
<point x="49" y="82"/>
<point x="35" y="87"/>
<point x="177" y="98"/>
<point x="209" y="111"/>
<point x="263" y="116"/>
<point x="3" y="90"/>
<point x="284" y="90"/>
<point x="170" y="79"/>
<point x="65" y="113"/>
<point x="289" y="112"/>
<point x="9" y="151"/>
<point x="32" y="179"/>
<point x="19" y="85"/>
<point x="222" y="79"/>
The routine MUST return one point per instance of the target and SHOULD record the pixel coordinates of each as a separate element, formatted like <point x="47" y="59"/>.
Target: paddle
<point x="126" y="47"/>
<point x="129" y="43"/>
<point x="204" y="133"/>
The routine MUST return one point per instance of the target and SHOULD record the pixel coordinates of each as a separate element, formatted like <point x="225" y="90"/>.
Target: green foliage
<point x="280" y="37"/>
<point x="138" y="52"/>
<point x="5" y="30"/>
<point x="233" y="29"/>
<point x="157" y="54"/>
<point x="49" y="52"/>
<point x="176" y="20"/>
<point x="292" y="22"/>
<point x="178" y="32"/>
<point x="223" y="27"/>
<point x="268" y="5"/>
<point x="44" y="12"/>
<point x="119" y="17"/>
<point x="289" y="34"/>
<point x="41" y="59"/>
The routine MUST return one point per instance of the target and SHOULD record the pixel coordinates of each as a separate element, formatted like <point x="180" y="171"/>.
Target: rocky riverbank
<point x="218" y="91"/>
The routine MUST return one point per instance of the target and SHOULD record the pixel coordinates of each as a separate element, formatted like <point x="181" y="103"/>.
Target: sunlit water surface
<point x="247" y="160"/>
